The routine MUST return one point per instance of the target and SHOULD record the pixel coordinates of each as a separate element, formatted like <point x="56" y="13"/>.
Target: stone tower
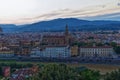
<point x="66" y="31"/>
<point x="1" y="30"/>
<point x="67" y="35"/>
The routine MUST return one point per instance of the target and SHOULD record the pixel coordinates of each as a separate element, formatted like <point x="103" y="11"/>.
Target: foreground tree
<point x="58" y="72"/>
<point x="64" y="72"/>
<point x="90" y="75"/>
<point x="114" y="75"/>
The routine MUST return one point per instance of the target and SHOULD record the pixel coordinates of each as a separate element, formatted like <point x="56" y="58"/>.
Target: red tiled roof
<point x="21" y="74"/>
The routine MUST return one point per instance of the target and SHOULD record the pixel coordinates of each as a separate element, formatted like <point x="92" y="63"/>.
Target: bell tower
<point x="1" y="30"/>
<point x="66" y="31"/>
<point x="67" y="35"/>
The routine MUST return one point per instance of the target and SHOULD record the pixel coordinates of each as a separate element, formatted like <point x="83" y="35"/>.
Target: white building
<point x="51" y="52"/>
<point x="103" y="52"/>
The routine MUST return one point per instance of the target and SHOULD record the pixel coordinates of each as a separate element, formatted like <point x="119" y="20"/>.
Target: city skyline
<point x="30" y="11"/>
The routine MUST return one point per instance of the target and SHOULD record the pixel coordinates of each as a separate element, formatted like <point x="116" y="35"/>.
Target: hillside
<point x="59" y="25"/>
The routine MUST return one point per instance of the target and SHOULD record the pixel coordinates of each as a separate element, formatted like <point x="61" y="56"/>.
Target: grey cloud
<point x="118" y="4"/>
<point x="113" y="16"/>
<point x="80" y="13"/>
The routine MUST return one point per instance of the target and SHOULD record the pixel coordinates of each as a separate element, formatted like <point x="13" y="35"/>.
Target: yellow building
<point x="74" y="50"/>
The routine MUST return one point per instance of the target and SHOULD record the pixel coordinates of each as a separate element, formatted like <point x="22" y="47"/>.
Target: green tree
<point x="64" y="72"/>
<point x="113" y="44"/>
<point x="114" y="75"/>
<point x="117" y="49"/>
<point x="90" y="75"/>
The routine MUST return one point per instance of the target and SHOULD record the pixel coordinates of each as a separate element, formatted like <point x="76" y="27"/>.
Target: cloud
<point x="118" y="4"/>
<point x="109" y="11"/>
<point x="112" y="16"/>
<point x="87" y="12"/>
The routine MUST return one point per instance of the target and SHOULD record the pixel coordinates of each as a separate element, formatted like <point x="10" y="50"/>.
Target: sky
<point x="30" y="11"/>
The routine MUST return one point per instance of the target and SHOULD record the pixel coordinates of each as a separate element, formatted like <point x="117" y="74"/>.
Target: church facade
<point x="57" y="40"/>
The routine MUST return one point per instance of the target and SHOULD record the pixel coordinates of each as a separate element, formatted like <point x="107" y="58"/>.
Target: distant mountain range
<point x="8" y="27"/>
<point x="59" y="25"/>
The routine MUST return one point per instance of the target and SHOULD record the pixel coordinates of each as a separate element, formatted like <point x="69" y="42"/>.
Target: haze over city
<point x="30" y="11"/>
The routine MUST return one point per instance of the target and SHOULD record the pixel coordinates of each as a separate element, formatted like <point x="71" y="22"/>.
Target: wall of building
<point x="74" y="51"/>
<point x="6" y="53"/>
<point x="97" y="52"/>
<point x="51" y="52"/>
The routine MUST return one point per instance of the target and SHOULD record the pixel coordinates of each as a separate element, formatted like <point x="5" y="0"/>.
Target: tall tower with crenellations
<point x="66" y="31"/>
<point x="67" y="35"/>
<point x="1" y="30"/>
